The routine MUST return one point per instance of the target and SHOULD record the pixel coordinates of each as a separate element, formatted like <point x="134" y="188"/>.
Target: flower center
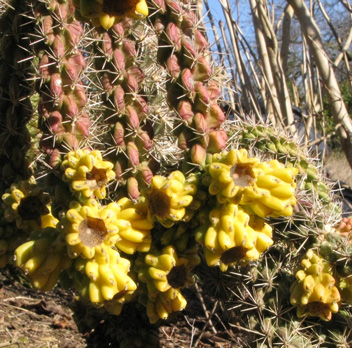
<point x="119" y="7"/>
<point x="32" y="208"/>
<point x="233" y="255"/>
<point x="177" y="276"/>
<point x="99" y="175"/>
<point x="92" y="231"/>
<point x="319" y="308"/>
<point x="242" y="174"/>
<point x="159" y="203"/>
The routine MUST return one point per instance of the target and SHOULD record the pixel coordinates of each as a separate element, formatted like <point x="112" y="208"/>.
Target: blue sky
<point x="217" y="12"/>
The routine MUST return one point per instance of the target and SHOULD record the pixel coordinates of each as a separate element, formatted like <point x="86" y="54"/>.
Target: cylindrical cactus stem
<point x="63" y="115"/>
<point x="125" y="106"/>
<point x="192" y="91"/>
<point x="16" y="85"/>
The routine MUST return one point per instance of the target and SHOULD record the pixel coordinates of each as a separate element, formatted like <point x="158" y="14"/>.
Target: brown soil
<point x="29" y="318"/>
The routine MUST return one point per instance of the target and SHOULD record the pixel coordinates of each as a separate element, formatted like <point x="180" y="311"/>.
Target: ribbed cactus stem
<point x="191" y="88"/>
<point x="64" y="118"/>
<point x="15" y="88"/>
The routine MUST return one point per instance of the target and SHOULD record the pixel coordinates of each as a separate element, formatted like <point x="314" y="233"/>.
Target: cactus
<point x="136" y="188"/>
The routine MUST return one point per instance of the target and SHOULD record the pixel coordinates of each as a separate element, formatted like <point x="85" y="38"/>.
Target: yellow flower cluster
<point x="267" y="187"/>
<point x="164" y="273"/>
<point x="28" y="206"/>
<point x="134" y="226"/>
<point x="108" y="281"/>
<point x="43" y="259"/>
<point x="314" y="291"/>
<point x="106" y="12"/>
<point x="87" y="227"/>
<point x="123" y="224"/>
<point x="87" y="172"/>
<point x="232" y="236"/>
<point x="168" y="198"/>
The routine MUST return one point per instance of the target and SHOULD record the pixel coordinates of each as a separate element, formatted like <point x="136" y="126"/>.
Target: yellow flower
<point x="164" y="273"/>
<point x="87" y="172"/>
<point x="106" y="12"/>
<point x="134" y="225"/>
<point x="267" y="187"/>
<point x="43" y="258"/>
<point x="231" y="174"/>
<point x="169" y="197"/>
<point x="108" y="281"/>
<point x="166" y="303"/>
<point x="87" y="227"/>
<point x="27" y="205"/>
<point x="232" y="236"/>
<point x="314" y="291"/>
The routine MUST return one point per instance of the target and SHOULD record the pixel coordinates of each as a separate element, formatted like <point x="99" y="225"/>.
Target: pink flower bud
<point x="133" y="154"/>
<point x="129" y="51"/>
<point x="215" y="116"/>
<point x="119" y="134"/>
<point x="145" y="174"/>
<point x="202" y="97"/>
<point x="106" y="44"/>
<point x="48" y="29"/>
<point x="144" y="139"/>
<point x="190" y="20"/>
<point x="173" y="66"/>
<point x="79" y="95"/>
<point x="83" y="124"/>
<point x="132" y="188"/>
<point x="73" y="33"/>
<point x="198" y="154"/>
<point x="58" y="47"/>
<point x="118" y="30"/>
<point x="187" y="80"/>
<point x="44" y="67"/>
<point x="119" y="99"/>
<point x="217" y="141"/>
<point x="55" y="123"/>
<point x="200" y="123"/>
<point x="214" y="90"/>
<point x="119" y="60"/>
<point x="132" y="117"/>
<point x="200" y="41"/>
<point x="173" y="35"/>
<point x="184" y="109"/>
<point x="184" y="139"/>
<point x="159" y="26"/>
<point x="189" y="50"/>
<point x="202" y="70"/>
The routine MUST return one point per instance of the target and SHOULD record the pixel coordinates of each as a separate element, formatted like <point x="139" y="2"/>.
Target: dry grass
<point x="338" y="167"/>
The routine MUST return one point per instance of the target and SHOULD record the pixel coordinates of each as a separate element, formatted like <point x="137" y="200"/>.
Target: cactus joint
<point x="92" y="231"/>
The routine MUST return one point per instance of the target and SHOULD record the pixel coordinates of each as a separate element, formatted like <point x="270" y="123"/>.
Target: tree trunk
<point x="311" y="32"/>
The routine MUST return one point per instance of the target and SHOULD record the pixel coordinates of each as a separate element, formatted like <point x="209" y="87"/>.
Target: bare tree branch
<point x="286" y="37"/>
<point x="312" y="34"/>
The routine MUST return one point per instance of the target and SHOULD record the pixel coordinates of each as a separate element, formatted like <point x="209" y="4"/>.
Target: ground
<point x="34" y="319"/>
